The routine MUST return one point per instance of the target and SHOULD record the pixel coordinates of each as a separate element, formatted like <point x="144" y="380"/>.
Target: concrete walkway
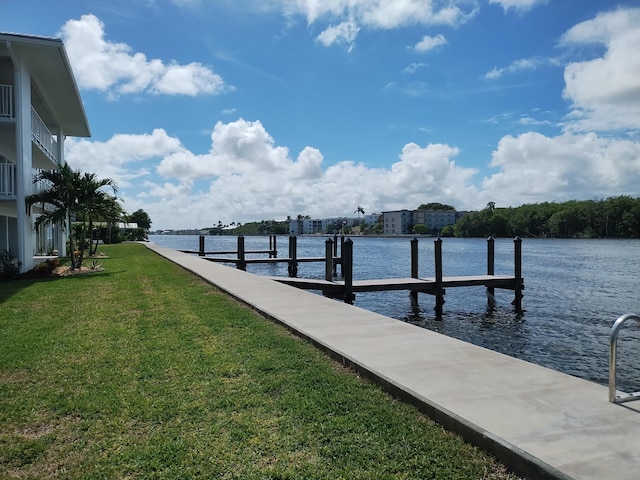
<point x="539" y="422"/>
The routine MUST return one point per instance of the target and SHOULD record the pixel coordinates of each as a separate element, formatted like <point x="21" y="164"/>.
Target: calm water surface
<point x="574" y="291"/>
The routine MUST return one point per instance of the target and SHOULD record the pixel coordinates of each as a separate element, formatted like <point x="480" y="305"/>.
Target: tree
<point x="420" y="228"/>
<point x="60" y="195"/>
<point x="70" y="193"/>
<point x="141" y="218"/>
<point x="111" y="213"/>
<point x="91" y="203"/>
<point x="435" y="206"/>
<point x="359" y="211"/>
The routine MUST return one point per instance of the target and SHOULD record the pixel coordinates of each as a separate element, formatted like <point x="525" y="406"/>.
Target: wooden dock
<point x="336" y="289"/>
<point x="346" y="288"/>
<point x="422" y="285"/>
<point x="331" y="258"/>
<point x="268" y="260"/>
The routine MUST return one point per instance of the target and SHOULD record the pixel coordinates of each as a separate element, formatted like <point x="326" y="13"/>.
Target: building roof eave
<point x="47" y="60"/>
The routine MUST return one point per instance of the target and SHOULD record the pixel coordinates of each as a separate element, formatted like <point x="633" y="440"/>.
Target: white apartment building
<point x="39" y="107"/>
<point x="309" y="226"/>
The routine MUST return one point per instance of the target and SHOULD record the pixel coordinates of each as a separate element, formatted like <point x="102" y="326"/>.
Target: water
<point x="574" y="291"/>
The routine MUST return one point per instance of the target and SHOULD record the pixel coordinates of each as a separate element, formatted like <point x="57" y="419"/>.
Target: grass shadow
<point x="9" y="287"/>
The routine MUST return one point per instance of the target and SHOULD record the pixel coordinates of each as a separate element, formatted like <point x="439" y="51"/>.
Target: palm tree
<point x="60" y="195"/>
<point x="70" y="193"/>
<point x="91" y="203"/>
<point x="111" y="212"/>
<point x="359" y="211"/>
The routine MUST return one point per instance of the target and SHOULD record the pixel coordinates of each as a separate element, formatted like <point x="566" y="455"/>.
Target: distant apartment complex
<point x="399" y="222"/>
<point x="396" y="222"/>
<point x="309" y="226"/>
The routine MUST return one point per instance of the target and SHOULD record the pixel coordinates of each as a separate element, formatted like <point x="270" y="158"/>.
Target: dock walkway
<point x="424" y="285"/>
<point x="541" y="423"/>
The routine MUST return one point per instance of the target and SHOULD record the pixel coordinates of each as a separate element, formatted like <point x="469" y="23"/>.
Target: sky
<point x="245" y="110"/>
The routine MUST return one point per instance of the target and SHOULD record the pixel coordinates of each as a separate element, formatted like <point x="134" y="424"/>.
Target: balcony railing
<point x="41" y="134"/>
<point x="43" y="137"/>
<point x="40" y="185"/>
<point x="6" y="101"/>
<point x="7" y="180"/>
<point x="8" y="185"/>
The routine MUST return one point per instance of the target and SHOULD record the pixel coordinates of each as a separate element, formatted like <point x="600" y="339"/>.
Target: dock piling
<point x="347" y="270"/>
<point x="329" y="267"/>
<point x="414" y="274"/>
<point x="293" y="256"/>
<point x="517" y="262"/>
<point x="242" y="264"/>
<point x="201" y="246"/>
<point x="438" y="291"/>
<point x="491" y="245"/>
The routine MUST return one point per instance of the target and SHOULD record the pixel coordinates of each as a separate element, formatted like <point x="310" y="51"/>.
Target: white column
<point x="24" y="165"/>
<point x="61" y="232"/>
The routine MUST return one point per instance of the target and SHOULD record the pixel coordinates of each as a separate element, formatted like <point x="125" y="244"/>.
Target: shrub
<point x="8" y="267"/>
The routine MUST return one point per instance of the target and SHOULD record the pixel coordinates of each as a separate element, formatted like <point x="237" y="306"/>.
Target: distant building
<point x="310" y="226"/>
<point x="397" y="222"/>
<point x="401" y="222"/>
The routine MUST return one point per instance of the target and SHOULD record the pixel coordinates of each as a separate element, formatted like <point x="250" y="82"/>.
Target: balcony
<point x="6" y="101"/>
<point x="7" y="181"/>
<point x="43" y="137"/>
<point x="40" y="134"/>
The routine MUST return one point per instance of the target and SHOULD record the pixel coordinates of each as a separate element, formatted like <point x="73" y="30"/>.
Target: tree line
<point x="613" y="217"/>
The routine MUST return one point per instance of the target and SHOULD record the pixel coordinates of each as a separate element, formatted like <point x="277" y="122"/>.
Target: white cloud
<point x="414" y="67"/>
<point x="518" y="5"/>
<point x="116" y="157"/>
<point x="352" y="15"/>
<point x="114" y="68"/>
<point x="534" y="168"/>
<point x="241" y="148"/>
<point x="605" y="91"/>
<point x="246" y="176"/>
<point x="344" y="33"/>
<point x="516" y="66"/>
<point x="428" y="43"/>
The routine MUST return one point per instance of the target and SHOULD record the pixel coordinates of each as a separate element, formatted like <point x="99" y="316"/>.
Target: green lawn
<point x="144" y="371"/>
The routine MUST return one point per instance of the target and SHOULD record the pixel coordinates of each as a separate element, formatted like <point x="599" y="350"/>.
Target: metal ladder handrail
<point x="613" y="353"/>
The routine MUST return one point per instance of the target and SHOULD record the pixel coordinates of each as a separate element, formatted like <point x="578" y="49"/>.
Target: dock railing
<point x="613" y="361"/>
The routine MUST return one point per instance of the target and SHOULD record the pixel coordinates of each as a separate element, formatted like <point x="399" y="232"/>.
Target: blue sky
<point x="242" y="110"/>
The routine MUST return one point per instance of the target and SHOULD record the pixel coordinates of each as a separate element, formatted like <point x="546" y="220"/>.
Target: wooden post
<point x="293" y="256"/>
<point x="342" y="272"/>
<point x="273" y="250"/>
<point x="201" y="246"/>
<point x="242" y="264"/>
<point x="439" y="291"/>
<point x="517" y="262"/>
<point x="347" y="270"/>
<point x="414" y="274"/>
<point x="329" y="272"/>
<point x="335" y="254"/>
<point x="491" y="299"/>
